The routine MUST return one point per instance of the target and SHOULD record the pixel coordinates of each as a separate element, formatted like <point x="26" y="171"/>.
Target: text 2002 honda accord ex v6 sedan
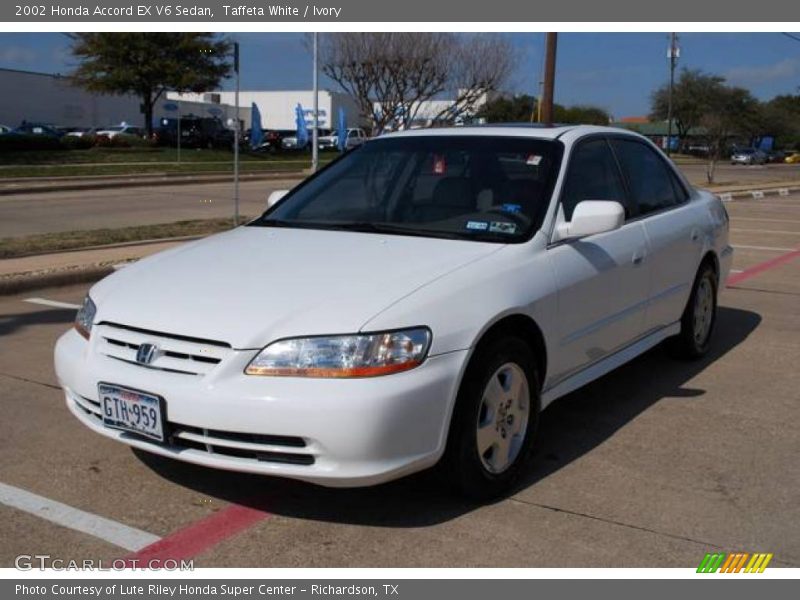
<point x="419" y="300"/>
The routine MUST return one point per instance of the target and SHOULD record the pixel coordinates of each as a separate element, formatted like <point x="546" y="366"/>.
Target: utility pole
<point x="236" y="138"/>
<point x="672" y="54"/>
<point x="315" y="133"/>
<point x="551" y="41"/>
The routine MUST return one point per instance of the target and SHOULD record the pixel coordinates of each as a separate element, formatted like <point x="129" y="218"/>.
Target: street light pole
<point x="315" y="133"/>
<point x="236" y="139"/>
<point x="672" y="54"/>
<point x="179" y="130"/>
<point x="551" y="42"/>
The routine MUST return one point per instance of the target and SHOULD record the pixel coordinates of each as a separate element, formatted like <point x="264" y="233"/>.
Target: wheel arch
<point x="524" y="327"/>
<point x="710" y="257"/>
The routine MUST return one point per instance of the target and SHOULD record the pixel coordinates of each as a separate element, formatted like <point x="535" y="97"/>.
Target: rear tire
<point x="494" y="420"/>
<point x="699" y="316"/>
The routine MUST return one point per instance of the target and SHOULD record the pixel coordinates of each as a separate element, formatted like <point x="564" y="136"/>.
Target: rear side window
<point x="651" y="184"/>
<point x="592" y="175"/>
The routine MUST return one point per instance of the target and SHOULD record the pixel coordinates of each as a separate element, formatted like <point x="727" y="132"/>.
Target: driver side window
<point x="592" y="175"/>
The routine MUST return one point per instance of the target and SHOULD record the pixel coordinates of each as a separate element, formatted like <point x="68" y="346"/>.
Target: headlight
<point x="359" y="355"/>
<point x="85" y="317"/>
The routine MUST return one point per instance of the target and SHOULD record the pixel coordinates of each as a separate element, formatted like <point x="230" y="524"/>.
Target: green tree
<point x="580" y="114"/>
<point x="691" y="96"/>
<point x="509" y="109"/>
<point x="780" y="118"/>
<point x="523" y="108"/>
<point x="148" y="64"/>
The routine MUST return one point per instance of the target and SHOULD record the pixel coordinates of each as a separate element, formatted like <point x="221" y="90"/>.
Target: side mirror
<point x="591" y="217"/>
<point x="275" y="196"/>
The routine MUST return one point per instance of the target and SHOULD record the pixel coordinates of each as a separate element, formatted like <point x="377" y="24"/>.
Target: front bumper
<point x="338" y="433"/>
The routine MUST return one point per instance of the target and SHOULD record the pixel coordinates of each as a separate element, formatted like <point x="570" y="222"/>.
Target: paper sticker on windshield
<point x="477" y="225"/>
<point x="439" y="164"/>
<point x="533" y="160"/>
<point x="512" y="208"/>
<point x="502" y="227"/>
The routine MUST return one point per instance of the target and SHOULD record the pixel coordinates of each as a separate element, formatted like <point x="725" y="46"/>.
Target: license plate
<point x="132" y="410"/>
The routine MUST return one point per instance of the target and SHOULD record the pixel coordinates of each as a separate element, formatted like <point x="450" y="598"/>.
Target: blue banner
<point x="302" y="128"/>
<point x="256" y="133"/>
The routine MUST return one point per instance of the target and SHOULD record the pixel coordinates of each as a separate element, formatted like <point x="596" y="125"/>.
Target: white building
<point x="40" y="97"/>
<point x="278" y="108"/>
<point x="46" y="98"/>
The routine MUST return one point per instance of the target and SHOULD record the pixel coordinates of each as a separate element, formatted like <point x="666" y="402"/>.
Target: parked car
<point x="80" y="131"/>
<point x="4" y="129"/>
<point x="748" y="156"/>
<point x="775" y="156"/>
<point x="793" y="158"/>
<point x="123" y="128"/>
<point x="272" y="139"/>
<point x="355" y="137"/>
<point x="699" y="150"/>
<point x="422" y="299"/>
<point x="45" y="129"/>
<point x="195" y="132"/>
<point x="290" y="141"/>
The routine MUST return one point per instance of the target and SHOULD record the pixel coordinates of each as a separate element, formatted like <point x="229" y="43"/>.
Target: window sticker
<point x="477" y="225"/>
<point x="512" y="208"/>
<point x="502" y="227"/>
<point x="439" y="164"/>
<point x="533" y="160"/>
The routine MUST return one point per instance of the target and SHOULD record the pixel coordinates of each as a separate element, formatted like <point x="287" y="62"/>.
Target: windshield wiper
<point x="273" y="223"/>
<point x="371" y="227"/>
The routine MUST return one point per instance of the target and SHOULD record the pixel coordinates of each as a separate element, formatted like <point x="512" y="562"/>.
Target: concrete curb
<point x="25" y="282"/>
<point x="132" y="181"/>
<point x="756" y="193"/>
<point x="133" y="244"/>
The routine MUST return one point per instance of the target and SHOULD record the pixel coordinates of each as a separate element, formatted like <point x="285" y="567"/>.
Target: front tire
<point x="495" y="419"/>
<point x="699" y="316"/>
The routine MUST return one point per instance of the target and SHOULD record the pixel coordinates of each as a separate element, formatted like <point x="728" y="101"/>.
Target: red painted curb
<point x="761" y="267"/>
<point x="198" y="536"/>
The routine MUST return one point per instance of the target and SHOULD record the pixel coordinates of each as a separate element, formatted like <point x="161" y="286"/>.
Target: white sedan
<point x="419" y="301"/>
<point x="123" y="129"/>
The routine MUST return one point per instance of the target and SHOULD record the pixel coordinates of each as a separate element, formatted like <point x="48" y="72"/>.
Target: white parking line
<point x="735" y="218"/>
<point x="765" y="248"/>
<point x="53" y="303"/>
<point x="105" y="529"/>
<point x="778" y="231"/>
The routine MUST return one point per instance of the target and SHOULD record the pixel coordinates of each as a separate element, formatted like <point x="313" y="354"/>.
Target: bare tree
<point x="480" y="65"/>
<point x="730" y="111"/>
<point x="390" y="76"/>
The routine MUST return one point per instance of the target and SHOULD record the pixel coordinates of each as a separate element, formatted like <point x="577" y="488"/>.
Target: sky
<point x="615" y="71"/>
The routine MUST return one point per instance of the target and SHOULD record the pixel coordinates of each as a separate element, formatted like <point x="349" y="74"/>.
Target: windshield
<point x="468" y="187"/>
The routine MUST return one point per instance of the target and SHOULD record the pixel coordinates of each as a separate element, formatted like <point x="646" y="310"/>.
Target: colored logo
<point x="736" y="562"/>
<point x="146" y="353"/>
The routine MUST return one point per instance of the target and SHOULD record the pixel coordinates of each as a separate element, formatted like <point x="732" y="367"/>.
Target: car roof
<point x="531" y="130"/>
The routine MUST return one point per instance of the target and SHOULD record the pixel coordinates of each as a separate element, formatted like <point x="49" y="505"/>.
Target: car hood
<point x="253" y="285"/>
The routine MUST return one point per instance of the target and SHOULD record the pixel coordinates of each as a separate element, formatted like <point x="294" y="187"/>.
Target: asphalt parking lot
<point x="653" y="465"/>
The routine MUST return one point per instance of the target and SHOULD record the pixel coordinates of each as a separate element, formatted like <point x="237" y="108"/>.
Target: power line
<point x="791" y="36"/>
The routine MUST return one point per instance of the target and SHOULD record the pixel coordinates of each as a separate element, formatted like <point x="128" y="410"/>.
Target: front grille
<point x="237" y="445"/>
<point x="178" y="354"/>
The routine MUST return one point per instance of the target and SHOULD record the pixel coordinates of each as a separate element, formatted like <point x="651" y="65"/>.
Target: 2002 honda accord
<point x="421" y="299"/>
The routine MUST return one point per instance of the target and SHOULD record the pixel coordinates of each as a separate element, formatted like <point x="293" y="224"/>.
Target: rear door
<point x="670" y="223"/>
<point x="602" y="279"/>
